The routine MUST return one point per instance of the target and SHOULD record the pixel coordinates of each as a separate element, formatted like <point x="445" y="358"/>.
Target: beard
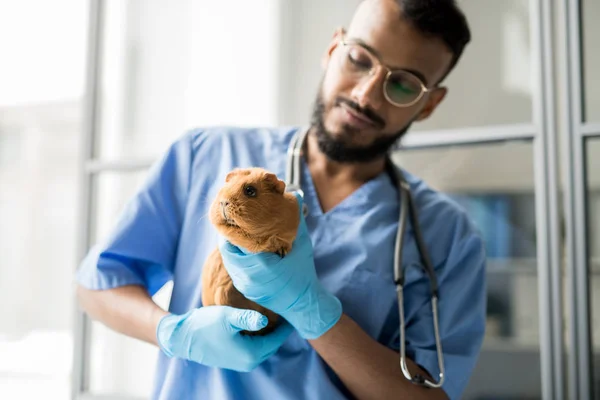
<point x="337" y="149"/>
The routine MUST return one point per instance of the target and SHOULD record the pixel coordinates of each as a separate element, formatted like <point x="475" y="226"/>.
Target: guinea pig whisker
<point x="203" y="216"/>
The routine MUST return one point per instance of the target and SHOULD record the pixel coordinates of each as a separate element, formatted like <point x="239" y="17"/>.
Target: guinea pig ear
<point x="230" y="175"/>
<point x="234" y="172"/>
<point x="274" y="182"/>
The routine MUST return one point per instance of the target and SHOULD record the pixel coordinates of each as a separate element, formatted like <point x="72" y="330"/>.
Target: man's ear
<point x="434" y="100"/>
<point x="335" y="40"/>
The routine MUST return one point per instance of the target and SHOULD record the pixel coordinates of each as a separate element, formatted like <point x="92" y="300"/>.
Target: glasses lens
<point x="403" y="87"/>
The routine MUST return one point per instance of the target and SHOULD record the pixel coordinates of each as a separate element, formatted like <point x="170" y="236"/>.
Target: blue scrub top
<point x="162" y="234"/>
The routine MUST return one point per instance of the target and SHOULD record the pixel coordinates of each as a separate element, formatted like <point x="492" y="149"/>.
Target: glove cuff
<point x="164" y="331"/>
<point x="316" y="313"/>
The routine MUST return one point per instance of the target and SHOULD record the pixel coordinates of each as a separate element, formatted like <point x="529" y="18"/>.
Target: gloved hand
<point x="210" y="336"/>
<point x="287" y="286"/>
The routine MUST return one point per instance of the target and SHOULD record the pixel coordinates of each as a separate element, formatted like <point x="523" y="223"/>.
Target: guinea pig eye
<point x="250" y="191"/>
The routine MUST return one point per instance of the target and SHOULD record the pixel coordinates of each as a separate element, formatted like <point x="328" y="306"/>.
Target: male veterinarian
<point x="336" y="290"/>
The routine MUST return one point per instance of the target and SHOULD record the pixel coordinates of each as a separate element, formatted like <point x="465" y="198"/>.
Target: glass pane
<point x="118" y="364"/>
<point x="164" y="72"/>
<point x="591" y="59"/>
<point x="593" y="197"/>
<point x="492" y="84"/>
<point x="41" y="81"/>
<point x="500" y="199"/>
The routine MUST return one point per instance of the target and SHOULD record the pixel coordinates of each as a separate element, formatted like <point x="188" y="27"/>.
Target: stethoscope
<point x="293" y="177"/>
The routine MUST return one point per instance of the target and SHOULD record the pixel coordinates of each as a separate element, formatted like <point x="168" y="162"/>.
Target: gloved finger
<point x="302" y="234"/>
<point x="302" y="228"/>
<point x="237" y="259"/>
<point x="245" y="320"/>
<point x="270" y="343"/>
<point x="231" y="254"/>
<point x="301" y="205"/>
<point x="301" y="209"/>
<point x="230" y="249"/>
<point x="299" y="198"/>
<point x="225" y="246"/>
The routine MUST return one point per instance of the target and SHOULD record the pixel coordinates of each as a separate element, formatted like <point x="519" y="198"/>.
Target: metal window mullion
<point x="590" y="133"/>
<point x="567" y="154"/>
<point x="546" y="189"/>
<point x="578" y="167"/>
<point x="81" y="328"/>
<point x="590" y="129"/>
<point x="467" y="136"/>
<point x="544" y="268"/>
<point x="582" y="295"/>
<point x="579" y="364"/>
<point x="97" y="166"/>
<point x="551" y="137"/>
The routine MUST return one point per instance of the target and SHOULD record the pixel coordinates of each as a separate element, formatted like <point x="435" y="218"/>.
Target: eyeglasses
<point x="401" y="88"/>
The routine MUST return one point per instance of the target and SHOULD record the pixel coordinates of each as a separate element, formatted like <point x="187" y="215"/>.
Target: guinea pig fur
<point x="253" y="211"/>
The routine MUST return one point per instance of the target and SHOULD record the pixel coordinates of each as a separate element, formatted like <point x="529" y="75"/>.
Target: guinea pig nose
<point x="224" y="205"/>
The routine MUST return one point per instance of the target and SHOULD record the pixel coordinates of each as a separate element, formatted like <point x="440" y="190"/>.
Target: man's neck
<point x="352" y="173"/>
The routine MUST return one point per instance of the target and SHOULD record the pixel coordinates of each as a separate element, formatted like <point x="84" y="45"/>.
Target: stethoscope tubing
<point x="293" y="173"/>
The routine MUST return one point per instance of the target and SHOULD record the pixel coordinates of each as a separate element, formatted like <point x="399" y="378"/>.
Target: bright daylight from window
<point x="41" y="86"/>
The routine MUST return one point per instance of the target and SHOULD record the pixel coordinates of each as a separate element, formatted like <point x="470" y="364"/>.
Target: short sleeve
<point x="461" y="311"/>
<point x="141" y="247"/>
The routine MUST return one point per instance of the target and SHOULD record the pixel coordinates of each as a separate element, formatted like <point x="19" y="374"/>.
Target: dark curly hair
<point x="439" y="18"/>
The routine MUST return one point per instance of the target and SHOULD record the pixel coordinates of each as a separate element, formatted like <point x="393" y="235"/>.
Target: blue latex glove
<point x="210" y="336"/>
<point x="287" y="286"/>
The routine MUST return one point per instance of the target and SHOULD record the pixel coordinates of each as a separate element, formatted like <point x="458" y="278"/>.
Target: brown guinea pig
<point x="253" y="211"/>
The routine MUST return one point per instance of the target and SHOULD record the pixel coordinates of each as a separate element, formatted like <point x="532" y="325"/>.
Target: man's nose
<point x="369" y="90"/>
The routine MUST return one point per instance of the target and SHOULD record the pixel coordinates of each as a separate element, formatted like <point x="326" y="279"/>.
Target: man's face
<point x="353" y="119"/>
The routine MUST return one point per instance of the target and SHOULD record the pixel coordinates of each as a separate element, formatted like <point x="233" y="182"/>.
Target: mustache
<point x="372" y="115"/>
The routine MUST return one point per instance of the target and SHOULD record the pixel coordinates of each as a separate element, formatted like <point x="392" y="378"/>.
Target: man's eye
<point x="250" y="191"/>
<point x="358" y="63"/>
<point x="359" y="60"/>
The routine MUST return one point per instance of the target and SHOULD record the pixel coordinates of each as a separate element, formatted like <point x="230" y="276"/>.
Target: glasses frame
<point x="344" y="42"/>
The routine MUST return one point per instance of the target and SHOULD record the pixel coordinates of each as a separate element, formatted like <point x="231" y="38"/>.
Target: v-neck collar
<point x="379" y="189"/>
